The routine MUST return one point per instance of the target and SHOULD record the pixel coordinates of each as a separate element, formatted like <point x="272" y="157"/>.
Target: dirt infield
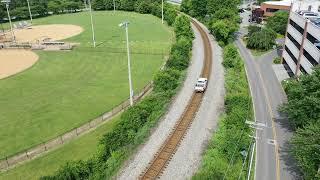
<point x="52" y="31"/>
<point x="15" y="61"/>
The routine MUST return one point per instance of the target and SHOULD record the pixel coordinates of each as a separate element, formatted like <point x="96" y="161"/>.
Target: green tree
<point x="264" y="39"/>
<point x="216" y="5"/>
<point x="252" y="29"/>
<point x="186" y="6"/>
<point x="182" y="27"/>
<point x="198" y="8"/>
<point x="223" y="30"/>
<point x="306" y="150"/>
<point x="303" y="105"/>
<point x="99" y="4"/>
<point x="278" y="22"/>
<point x="54" y="6"/>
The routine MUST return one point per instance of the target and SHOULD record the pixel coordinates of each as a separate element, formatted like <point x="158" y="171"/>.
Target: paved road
<point x="276" y="97"/>
<point x="266" y="156"/>
<point x="272" y="159"/>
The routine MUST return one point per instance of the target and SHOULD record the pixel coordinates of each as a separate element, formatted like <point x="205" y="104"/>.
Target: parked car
<point x="201" y="85"/>
<point x="303" y="11"/>
<point x="241" y="10"/>
<point x="310" y="15"/>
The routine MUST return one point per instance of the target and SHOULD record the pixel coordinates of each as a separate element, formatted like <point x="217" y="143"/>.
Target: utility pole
<point x="7" y="2"/>
<point x="92" y="27"/>
<point x="114" y="6"/>
<point x="29" y="12"/>
<point x="85" y="4"/>
<point x="125" y="25"/>
<point x="162" y="11"/>
<point x="251" y="159"/>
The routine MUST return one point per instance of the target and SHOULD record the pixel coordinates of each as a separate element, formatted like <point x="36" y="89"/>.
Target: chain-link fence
<point x="9" y="162"/>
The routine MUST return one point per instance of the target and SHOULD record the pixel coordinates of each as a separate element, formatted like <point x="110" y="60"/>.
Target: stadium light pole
<point x="162" y="11"/>
<point x="92" y="27"/>
<point x="29" y="11"/>
<point x="7" y="6"/>
<point x="125" y="25"/>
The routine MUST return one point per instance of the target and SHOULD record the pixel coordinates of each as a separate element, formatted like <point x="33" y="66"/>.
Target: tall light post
<point x="162" y="11"/>
<point x="114" y="6"/>
<point x="7" y="6"/>
<point x="92" y="27"/>
<point x="29" y="11"/>
<point x="125" y="25"/>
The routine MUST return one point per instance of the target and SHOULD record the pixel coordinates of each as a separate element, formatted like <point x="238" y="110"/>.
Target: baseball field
<point x="60" y="90"/>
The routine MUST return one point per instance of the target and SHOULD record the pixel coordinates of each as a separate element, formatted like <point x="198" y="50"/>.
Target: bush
<point x="303" y="105"/>
<point x="278" y="22"/>
<point x="166" y="80"/>
<point x="277" y="60"/>
<point x="253" y="29"/>
<point x="306" y="150"/>
<point x="263" y="40"/>
<point x="223" y="30"/>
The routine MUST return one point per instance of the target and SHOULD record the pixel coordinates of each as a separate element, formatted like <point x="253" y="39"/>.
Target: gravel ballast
<point x="188" y="156"/>
<point x="187" y="159"/>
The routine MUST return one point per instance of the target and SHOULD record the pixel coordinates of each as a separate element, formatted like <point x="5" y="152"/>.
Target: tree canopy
<point x="303" y="109"/>
<point x="278" y="22"/>
<point x="263" y="39"/>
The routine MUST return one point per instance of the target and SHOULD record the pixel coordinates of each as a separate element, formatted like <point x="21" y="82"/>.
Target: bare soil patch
<point x="52" y="31"/>
<point x="15" y="61"/>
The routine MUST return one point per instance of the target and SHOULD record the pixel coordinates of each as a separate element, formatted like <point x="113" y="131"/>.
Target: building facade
<point x="302" y="45"/>
<point x="270" y="7"/>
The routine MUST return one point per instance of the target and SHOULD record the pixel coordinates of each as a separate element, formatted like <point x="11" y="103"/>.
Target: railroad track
<point x="165" y="153"/>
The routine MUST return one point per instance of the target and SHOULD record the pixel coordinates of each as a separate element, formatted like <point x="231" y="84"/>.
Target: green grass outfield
<point x="79" y="149"/>
<point x="66" y="89"/>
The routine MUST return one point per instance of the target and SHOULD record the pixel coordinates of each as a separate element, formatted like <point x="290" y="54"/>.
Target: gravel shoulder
<point x="137" y="164"/>
<point x="188" y="157"/>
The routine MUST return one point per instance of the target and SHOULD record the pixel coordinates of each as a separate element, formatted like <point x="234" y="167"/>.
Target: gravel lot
<point x="188" y="156"/>
<point x="187" y="159"/>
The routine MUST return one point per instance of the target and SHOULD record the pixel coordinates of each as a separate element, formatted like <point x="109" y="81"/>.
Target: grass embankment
<point x="223" y="157"/>
<point x="135" y="124"/>
<point x="79" y="149"/>
<point x="66" y="89"/>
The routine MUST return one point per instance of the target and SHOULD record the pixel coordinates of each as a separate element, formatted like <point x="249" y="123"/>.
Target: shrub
<point x="253" y="29"/>
<point x="166" y="80"/>
<point x="277" y="60"/>
<point x="306" y="150"/>
<point x="263" y="40"/>
<point x="223" y="30"/>
<point x="278" y="22"/>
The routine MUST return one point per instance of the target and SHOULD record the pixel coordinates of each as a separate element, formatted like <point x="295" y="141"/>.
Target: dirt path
<point x="15" y="61"/>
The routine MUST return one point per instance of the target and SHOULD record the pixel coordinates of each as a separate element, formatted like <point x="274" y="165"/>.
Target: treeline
<point x="221" y="16"/>
<point x="142" y="6"/>
<point x="230" y="146"/>
<point x="303" y="109"/>
<point x="39" y="8"/>
<point x="136" y="122"/>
